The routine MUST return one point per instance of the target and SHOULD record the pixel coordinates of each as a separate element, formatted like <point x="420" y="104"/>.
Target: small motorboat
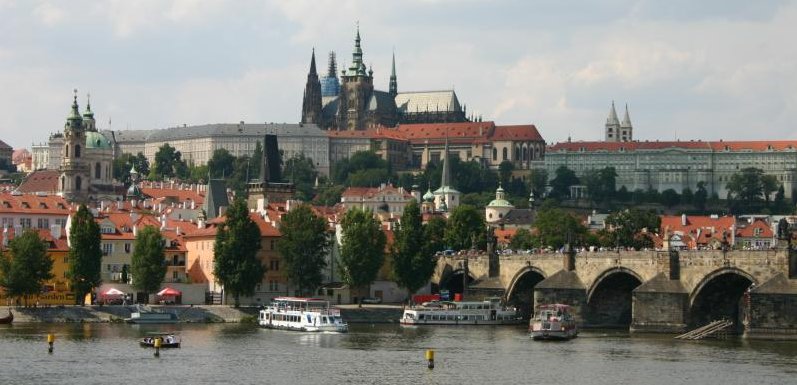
<point x="8" y="319"/>
<point x="167" y="341"/>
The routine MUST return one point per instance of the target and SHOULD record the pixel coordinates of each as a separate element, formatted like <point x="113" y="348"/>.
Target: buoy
<point x="430" y="358"/>
<point x="50" y="341"/>
<point x="157" y="347"/>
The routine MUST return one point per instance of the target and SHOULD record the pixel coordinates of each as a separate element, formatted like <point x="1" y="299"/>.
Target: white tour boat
<point x="487" y="312"/>
<point x="553" y="322"/>
<point x="302" y="314"/>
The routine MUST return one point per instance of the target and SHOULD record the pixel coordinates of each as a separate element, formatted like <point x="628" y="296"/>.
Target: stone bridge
<point x="648" y="291"/>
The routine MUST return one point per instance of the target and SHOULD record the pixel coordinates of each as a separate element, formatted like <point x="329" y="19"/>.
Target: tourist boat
<point x="302" y="314"/>
<point x="488" y="312"/>
<point x="553" y="322"/>
<point x="7" y="319"/>
<point x="168" y="340"/>
<point x="147" y="316"/>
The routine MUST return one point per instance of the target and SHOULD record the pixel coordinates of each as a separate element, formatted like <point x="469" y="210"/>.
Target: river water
<point x="380" y="354"/>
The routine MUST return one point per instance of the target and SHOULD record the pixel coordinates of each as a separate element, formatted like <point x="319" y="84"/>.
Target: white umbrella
<point x="113" y="291"/>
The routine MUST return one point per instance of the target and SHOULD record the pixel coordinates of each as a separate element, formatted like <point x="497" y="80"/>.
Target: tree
<point x="522" y="240"/>
<point x="301" y="171"/>
<point x="746" y="187"/>
<point x="560" y="184"/>
<point x="358" y="164"/>
<point x="236" y="265"/>
<point x="148" y="265"/>
<point x="465" y="228"/>
<point x="701" y="196"/>
<point x="412" y="264"/>
<point x="623" y="195"/>
<point x="124" y="163"/>
<point x="769" y="184"/>
<point x="556" y="226"/>
<point x="687" y="196"/>
<point x="538" y="180"/>
<point x="303" y="245"/>
<point x="434" y="232"/>
<point x="362" y="251"/>
<point x="257" y="158"/>
<point x="601" y="184"/>
<point x="505" y="171"/>
<point x="328" y="195"/>
<point x="23" y="272"/>
<point x="168" y="163"/>
<point x="222" y="164"/>
<point x="670" y="198"/>
<point x="627" y="227"/>
<point x="85" y="254"/>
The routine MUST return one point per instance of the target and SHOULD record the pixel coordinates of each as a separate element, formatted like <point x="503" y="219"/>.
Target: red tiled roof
<point x="455" y="132"/>
<point x="774" y="145"/>
<point x="701" y="229"/>
<point x="371" y="133"/>
<point x="40" y="181"/>
<point x="53" y="244"/>
<point x="178" y="194"/>
<point x="33" y="204"/>
<point x="518" y="132"/>
<point x="749" y="230"/>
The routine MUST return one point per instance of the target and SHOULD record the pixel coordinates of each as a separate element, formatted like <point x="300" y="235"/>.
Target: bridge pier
<point x="773" y="310"/>
<point x="564" y="287"/>
<point x="660" y="305"/>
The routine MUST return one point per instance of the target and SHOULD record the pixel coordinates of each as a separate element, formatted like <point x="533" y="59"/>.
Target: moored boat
<point x="7" y="319"/>
<point x="168" y="340"/>
<point x="553" y="322"/>
<point x="302" y="314"/>
<point x="147" y="316"/>
<point x="488" y="312"/>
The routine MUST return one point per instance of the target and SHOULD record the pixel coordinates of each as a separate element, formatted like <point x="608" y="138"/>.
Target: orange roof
<point x="519" y="132"/>
<point x="504" y="236"/>
<point x="181" y="195"/>
<point x="749" y="230"/>
<point x="53" y="244"/>
<point x="33" y="204"/>
<point x="40" y="181"/>
<point x="455" y="132"/>
<point x="371" y="133"/>
<point x="700" y="228"/>
<point x="774" y="145"/>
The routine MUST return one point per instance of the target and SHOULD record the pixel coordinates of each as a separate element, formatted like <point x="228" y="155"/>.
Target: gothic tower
<point x="626" y="129"/>
<point x="612" y="126"/>
<point x="393" y="88"/>
<point x="311" y="105"/>
<point x="355" y="91"/>
<point x="74" y="181"/>
<point x="330" y="86"/>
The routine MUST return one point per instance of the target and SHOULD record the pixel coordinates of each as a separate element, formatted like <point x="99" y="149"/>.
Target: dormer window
<point x="7" y="204"/>
<point x="61" y="206"/>
<point x="42" y="205"/>
<point x="25" y="205"/>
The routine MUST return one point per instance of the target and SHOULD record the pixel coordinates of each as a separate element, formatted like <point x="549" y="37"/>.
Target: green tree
<point x="168" y="163"/>
<point x="623" y="195"/>
<point x="148" y="265"/>
<point x="560" y="184"/>
<point x="367" y="167"/>
<point x="328" y="194"/>
<point x="769" y="185"/>
<point x="85" y="254"/>
<point x="362" y="250"/>
<point x="746" y="187"/>
<point x="303" y="245"/>
<point x="24" y="271"/>
<point x="555" y="226"/>
<point x="301" y="171"/>
<point x="601" y="184"/>
<point x="538" y="180"/>
<point x="257" y="158"/>
<point x="701" y="196"/>
<point x="687" y="196"/>
<point x="522" y="240"/>
<point x="125" y="162"/>
<point x="465" y="228"/>
<point x="236" y="264"/>
<point x="627" y="227"/>
<point x="413" y="265"/>
<point x="670" y="198"/>
<point x="505" y="172"/>
<point x="434" y="232"/>
<point x="221" y="164"/>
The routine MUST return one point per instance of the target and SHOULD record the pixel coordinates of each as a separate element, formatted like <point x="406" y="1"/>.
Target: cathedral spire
<point x="612" y="119"/>
<point x="312" y="64"/>
<point x="311" y="104"/>
<point x="332" y="69"/>
<point x="626" y="119"/>
<point x="393" y="88"/>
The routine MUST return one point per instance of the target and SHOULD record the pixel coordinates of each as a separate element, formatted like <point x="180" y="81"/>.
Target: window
<point x="127" y="247"/>
<point x="503" y="153"/>
<point x="66" y="151"/>
<point x="60" y="222"/>
<point x="43" y="223"/>
<point x="273" y="244"/>
<point x="174" y="275"/>
<point x="77" y="151"/>
<point x="78" y="182"/>
<point x="107" y="248"/>
<point x="495" y="153"/>
<point x="97" y="171"/>
<point x="25" y="223"/>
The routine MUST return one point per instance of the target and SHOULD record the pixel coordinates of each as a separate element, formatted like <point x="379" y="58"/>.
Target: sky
<point x="687" y="69"/>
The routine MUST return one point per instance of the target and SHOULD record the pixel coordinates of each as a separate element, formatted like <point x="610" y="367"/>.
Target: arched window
<point x="525" y="153"/>
<point x="97" y="171"/>
<point x="77" y="151"/>
<point x="66" y="150"/>
<point x="517" y="153"/>
<point x="504" y="153"/>
<point x="78" y="183"/>
<point x="495" y="153"/>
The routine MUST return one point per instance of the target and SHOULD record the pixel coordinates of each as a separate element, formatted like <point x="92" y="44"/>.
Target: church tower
<point x="612" y="126"/>
<point x="393" y="88"/>
<point x="74" y="181"/>
<point x="626" y="129"/>
<point x="355" y="91"/>
<point x="311" y="105"/>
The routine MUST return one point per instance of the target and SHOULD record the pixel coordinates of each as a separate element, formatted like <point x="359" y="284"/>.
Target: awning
<point x="113" y="292"/>
<point x="169" y="292"/>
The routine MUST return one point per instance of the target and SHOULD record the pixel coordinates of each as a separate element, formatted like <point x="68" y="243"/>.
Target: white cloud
<point x="49" y="14"/>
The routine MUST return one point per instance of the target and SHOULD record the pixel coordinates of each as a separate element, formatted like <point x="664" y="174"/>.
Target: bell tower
<point x="74" y="181"/>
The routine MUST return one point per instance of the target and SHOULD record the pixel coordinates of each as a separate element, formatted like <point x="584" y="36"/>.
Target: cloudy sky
<point x="688" y="69"/>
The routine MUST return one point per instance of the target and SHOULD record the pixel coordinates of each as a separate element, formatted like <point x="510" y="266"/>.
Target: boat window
<point x="309" y="319"/>
<point x="420" y="316"/>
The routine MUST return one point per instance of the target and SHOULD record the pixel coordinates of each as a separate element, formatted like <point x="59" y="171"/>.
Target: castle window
<point x="495" y="153"/>
<point x="503" y="153"/>
<point x="97" y="171"/>
<point x="78" y="182"/>
<point x="77" y="151"/>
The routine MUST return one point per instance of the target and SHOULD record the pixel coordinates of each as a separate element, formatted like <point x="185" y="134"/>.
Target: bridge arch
<point x="453" y="281"/>
<point x="720" y="295"/>
<point x="520" y="292"/>
<point x="609" y="298"/>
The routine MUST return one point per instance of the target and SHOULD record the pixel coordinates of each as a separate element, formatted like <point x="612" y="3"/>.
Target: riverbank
<point x="186" y="314"/>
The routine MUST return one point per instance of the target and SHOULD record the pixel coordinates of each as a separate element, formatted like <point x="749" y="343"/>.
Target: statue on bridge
<point x="783" y="229"/>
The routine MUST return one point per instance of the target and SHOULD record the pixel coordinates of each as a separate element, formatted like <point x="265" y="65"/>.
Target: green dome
<point x="97" y="140"/>
<point x="428" y="197"/>
<point x="500" y="203"/>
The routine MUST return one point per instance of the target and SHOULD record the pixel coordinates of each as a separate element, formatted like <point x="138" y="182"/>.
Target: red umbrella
<point x="113" y="292"/>
<point x="169" y="292"/>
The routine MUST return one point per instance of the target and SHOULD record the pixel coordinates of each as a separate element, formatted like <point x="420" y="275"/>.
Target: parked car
<point x="371" y="300"/>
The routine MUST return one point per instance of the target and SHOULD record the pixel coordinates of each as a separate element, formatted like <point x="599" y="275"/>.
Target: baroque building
<point x="354" y="104"/>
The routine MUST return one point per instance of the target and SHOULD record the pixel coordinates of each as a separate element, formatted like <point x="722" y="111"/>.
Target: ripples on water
<point x="382" y="354"/>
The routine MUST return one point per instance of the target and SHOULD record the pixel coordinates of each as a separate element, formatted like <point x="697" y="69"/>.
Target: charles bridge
<point x="647" y="291"/>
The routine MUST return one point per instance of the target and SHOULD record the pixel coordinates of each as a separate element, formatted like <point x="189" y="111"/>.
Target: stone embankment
<point x="187" y="314"/>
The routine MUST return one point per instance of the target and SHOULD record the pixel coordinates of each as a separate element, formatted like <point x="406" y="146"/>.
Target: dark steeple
<point x="393" y="88"/>
<point x="311" y="105"/>
<point x="332" y="69"/>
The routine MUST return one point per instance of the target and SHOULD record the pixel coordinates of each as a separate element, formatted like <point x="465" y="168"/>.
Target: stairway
<point x="713" y="329"/>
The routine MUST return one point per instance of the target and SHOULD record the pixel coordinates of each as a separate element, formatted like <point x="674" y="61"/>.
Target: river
<point x="380" y="354"/>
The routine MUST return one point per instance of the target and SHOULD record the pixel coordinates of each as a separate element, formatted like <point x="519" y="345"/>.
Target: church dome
<point x="96" y="140"/>
<point x="500" y="203"/>
<point x="428" y="196"/>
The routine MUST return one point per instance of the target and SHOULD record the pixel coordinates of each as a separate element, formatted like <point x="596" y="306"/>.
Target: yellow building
<point x="56" y="290"/>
